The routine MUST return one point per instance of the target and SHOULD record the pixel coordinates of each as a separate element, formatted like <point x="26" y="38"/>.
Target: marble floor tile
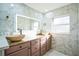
<point x="54" y="53"/>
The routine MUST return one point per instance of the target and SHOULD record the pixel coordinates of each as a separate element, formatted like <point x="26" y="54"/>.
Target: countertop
<point x="3" y="43"/>
<point x="26" y="39"/>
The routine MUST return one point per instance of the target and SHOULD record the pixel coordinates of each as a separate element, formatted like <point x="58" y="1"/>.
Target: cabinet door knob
<point x="28" y="47"/>
<point x="20" y="46"/>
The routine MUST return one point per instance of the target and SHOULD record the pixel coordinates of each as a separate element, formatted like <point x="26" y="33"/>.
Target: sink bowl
<point x="15" y="38"/>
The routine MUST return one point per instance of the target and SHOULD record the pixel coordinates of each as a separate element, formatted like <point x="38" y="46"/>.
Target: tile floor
<point x="54" y="53"/>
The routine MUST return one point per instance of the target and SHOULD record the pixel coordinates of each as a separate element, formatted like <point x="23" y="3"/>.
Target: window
<point x="61" y="25"/>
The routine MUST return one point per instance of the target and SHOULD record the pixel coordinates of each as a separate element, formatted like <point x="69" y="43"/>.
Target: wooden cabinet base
<point x="36" y="47"/>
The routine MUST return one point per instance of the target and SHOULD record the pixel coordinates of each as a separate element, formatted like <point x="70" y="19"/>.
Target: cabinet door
<point x="48" y="44"/>
<point x="23" y="52"/>
<point x="43" y="49"/>
<point x="43" y="45"/>
<point x="35" y="47"/>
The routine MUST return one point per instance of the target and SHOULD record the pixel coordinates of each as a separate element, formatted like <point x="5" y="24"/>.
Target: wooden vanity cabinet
<point x="43" y="45"/>
<point x="35" y="47"/>
<point x="22" y="49"/>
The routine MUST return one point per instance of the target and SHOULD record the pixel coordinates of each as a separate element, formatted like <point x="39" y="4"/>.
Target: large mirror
<point x="27" y="24"/>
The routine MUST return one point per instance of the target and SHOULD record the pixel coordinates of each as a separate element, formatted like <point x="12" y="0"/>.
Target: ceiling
<point x="45" y="7"/>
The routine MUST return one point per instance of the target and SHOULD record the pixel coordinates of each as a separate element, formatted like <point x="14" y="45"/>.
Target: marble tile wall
<point x="0" y="52"/>
<point x="8" y="25"/>
<point x="67" y="43"/>
<point x="78" y="32"/>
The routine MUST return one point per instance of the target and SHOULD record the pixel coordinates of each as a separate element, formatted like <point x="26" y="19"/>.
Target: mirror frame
<point x="31" y="18"/>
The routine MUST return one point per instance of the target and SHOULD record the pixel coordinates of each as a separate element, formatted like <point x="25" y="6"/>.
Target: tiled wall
<point x="8" y="25"/>
<point x="0" y="52"/>
<point x="67" y="43"/>
<point x="78" y="32"/>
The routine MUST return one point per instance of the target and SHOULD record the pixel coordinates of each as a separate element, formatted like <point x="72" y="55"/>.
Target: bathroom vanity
<point x="36" y="46"/>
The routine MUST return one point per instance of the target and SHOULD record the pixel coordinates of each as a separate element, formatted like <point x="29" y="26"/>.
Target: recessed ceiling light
<point x="12" y="5"/>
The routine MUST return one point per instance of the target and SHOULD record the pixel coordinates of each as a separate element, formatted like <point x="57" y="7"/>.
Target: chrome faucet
<point x="20" y="30"/>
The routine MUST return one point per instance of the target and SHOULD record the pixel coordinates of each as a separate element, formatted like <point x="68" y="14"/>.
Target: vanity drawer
<point x="34" y="48"/>
<point x="37" y="53"/>
<point x="34" y="42"/>
<point x="23" y="52"/>
<point x="17" y="47"/>
<point x="43" y="40"/>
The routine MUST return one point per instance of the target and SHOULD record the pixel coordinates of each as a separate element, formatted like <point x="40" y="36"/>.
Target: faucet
<point x="20" y="30"/>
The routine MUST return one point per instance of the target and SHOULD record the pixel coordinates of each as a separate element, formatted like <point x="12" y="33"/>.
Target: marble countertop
<point x="26" y="39"/>
<point x="3" y="43"/>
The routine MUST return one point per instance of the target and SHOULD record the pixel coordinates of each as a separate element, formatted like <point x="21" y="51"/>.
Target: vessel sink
<point x="15" y="38"/>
